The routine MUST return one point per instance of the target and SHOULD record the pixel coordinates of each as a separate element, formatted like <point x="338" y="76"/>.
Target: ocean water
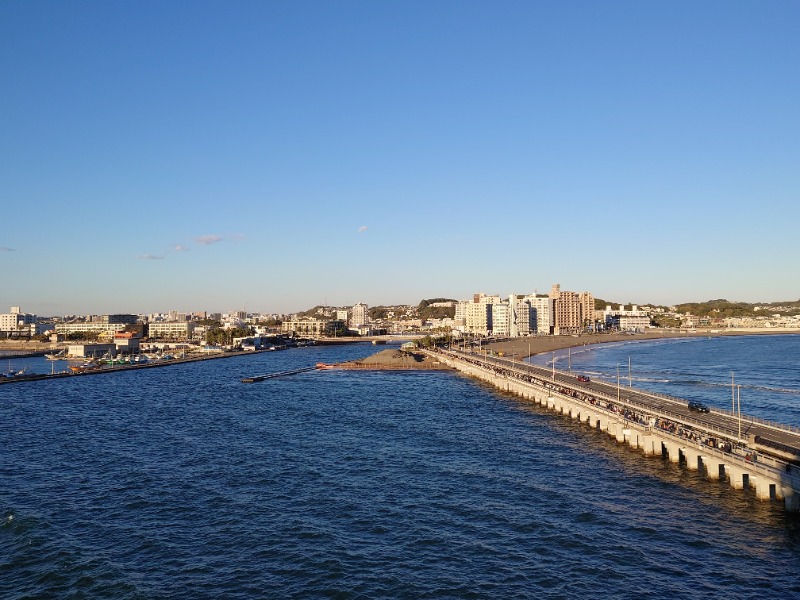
<point x="183" y="482"/>
<point x="765" y="370"/>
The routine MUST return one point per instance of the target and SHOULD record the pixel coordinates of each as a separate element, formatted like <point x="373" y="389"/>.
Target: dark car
<point x="583" y="378"/>
<point x="698" y="407"/>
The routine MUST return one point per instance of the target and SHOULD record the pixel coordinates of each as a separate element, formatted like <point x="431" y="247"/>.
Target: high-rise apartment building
<point x="358" y="315"/>
<point x="587" y="304"/>
<point x="479" y="318"/>
<point x="568" y="311"/>
<point x="542" y="313"/>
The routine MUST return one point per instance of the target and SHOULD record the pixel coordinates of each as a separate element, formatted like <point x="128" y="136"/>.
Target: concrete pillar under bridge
<point x="766" y="488"/>
<point x="737" y="477"/>
<point x="692" y="458"/>
<point x="673" y="451"/>
<point x="605" y="422"/>
<point x="575" y="412"/>
<point x="713" y="466"/>
<point x="650" y="445"/>
<point x="621" y="428"/>
<point x="635" y="439"/>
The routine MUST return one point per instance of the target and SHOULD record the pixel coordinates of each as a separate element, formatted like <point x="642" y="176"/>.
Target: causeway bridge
<point x="749" y="453"/>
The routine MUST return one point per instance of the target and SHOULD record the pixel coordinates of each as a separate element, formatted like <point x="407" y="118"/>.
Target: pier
<point x="256" y="378"/>
<point x="749" y="453"/>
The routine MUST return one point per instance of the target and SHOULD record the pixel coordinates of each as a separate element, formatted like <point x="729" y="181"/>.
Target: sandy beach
<point x="528" y="346"/>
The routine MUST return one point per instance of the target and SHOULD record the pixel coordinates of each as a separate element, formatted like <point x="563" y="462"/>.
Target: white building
<point x="171" y="330"/>
<point x="460" y="317"/>
<point x="525" y="324"/>
<point x="17" y="321"/>
<point x="502" y="318"/>
<point x="90" y="327"/>
<point x="542" y="317"/>
<point x="359" y="315"/>
<point x="626" y="320"/>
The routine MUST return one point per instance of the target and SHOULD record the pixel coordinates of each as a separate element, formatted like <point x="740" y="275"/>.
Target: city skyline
<point x="274" y="156"/>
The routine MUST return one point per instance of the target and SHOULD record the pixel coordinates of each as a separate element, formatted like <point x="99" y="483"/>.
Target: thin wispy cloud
<point x="180" y="248"/>
<point x="207" y="240"/>
<point x="362" y="229"/>
<point x="6" y="249"/>
<point x="238" y="237"/>
<point x="150" y="257"/>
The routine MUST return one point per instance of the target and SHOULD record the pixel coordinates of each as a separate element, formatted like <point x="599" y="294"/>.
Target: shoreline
<point x="531" y="346"/>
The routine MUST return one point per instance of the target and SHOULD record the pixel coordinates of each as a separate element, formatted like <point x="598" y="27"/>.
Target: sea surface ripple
<point x="182" y="482"/>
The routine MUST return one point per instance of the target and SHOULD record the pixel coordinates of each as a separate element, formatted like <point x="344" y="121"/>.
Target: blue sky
<point x="195" y="155"/>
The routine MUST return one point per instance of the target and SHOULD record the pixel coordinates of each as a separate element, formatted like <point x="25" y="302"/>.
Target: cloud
<point x="180" y="248"/>
<point x="362" y="229"/>
<point x="150" y="257"/>
<point x="207" y="240"/>
<point x="238" y="237"/>
<point x="6" y="249"/>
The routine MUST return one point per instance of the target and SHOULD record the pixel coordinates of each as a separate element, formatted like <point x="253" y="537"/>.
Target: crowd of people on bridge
<point x="625" y="412"/>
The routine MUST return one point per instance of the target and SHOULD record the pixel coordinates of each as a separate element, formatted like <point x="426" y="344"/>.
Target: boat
<point x="325" y="366"/>
<point x="90" y="366"/>
<point x="56" y="355"/>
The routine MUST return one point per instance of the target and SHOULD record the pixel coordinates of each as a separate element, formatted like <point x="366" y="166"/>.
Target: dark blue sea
<point x="183" y="482"/>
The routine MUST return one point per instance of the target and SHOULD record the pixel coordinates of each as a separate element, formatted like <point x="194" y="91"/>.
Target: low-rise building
<point x="18" y="322"/>
<point x="171" y="330"/>
<point x="626" y="320"/>
<point x="108" y="329"/>
<point x="312" y="327"/>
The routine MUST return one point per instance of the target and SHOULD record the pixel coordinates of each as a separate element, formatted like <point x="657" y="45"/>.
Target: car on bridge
<point x="583" y="378"/>
<point x="698" y="407"/>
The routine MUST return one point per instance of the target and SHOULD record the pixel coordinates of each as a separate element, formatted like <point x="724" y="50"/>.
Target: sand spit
<point x="394" y="360"/>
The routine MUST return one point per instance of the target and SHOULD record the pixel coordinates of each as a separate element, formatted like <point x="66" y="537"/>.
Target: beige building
<point x="568" y="311"/>
<point x="587" y="304"/>
<point x="171" y="330"/>
<point x="311" y="327"/>
<point x="479" y="318"/>
<point x="108" y="329"/>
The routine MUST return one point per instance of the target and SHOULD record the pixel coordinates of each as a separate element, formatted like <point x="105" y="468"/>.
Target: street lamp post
<point x="739" y="402"/>
<point x="629" y="372"/>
